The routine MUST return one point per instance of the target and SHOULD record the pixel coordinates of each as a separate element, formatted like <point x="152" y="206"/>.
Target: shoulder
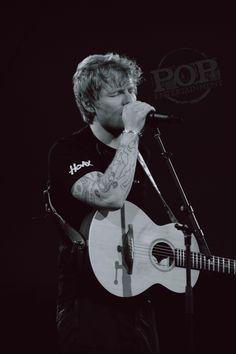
<point x="81" y="139"/>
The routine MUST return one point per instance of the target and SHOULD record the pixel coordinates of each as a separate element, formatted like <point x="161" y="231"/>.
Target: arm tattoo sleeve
<point x="118" y="177"/>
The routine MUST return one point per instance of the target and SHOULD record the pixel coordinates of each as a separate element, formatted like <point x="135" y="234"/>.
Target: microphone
<point x="155" y="118"/>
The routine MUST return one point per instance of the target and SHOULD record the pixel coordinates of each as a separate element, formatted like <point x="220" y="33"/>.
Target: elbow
<point x="111" y="200"/>
<point x="117" y="205"/>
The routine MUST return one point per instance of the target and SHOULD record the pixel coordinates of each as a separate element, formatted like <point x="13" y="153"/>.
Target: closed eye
<point x="116" y="93"/>
<point x="131" y="90"/>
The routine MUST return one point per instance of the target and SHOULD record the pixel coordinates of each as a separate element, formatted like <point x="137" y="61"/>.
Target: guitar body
<point x="129" y="253"/>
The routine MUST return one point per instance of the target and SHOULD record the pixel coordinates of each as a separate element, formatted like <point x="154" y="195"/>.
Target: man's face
<point x="109" y="106"/>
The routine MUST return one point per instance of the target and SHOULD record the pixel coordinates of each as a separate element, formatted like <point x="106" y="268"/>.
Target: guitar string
<point x="195" y="257"/>
<point x="203" y="266"/>
<point x="193" y="254"/>
<point x="227" y="265"/>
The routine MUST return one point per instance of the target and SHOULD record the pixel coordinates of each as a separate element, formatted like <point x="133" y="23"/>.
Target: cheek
<point x="109" y="107"/>
<point x="112" y="107"/>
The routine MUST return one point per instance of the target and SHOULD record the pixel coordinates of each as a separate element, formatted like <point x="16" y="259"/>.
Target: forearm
<point x="111" y="188"/>
<point x="118" y="177"/>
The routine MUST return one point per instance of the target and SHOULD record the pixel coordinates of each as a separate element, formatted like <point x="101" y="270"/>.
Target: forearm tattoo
<point x="119" y="175"/>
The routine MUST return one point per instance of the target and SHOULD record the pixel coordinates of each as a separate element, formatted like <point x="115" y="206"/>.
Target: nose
<point x="128" y="97"/>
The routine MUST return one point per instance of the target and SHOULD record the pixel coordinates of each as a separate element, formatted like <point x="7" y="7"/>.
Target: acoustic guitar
<point x="129" y="253"/>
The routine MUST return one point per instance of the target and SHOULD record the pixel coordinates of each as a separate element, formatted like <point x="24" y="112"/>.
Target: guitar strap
<point x="168" y="210"/>
<point x="77" y="239"/>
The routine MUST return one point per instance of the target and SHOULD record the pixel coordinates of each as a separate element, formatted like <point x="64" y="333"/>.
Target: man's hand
<point x="134" y="115"/>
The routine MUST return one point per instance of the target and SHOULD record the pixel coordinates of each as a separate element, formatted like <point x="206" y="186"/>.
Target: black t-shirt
<point x="69" y="159"/>
<point x="72" y="157"/>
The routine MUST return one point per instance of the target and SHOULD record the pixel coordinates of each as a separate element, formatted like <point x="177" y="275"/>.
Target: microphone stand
<point x="188" y="230"/>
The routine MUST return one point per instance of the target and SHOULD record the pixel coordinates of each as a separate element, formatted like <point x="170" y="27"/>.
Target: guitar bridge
<point x="128" y="249"/>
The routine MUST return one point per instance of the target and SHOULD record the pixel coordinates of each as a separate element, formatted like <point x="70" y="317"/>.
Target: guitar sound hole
<point x="162" y="256"/>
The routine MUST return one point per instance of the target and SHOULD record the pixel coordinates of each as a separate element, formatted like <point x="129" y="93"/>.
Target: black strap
<point x="78" y="240"/>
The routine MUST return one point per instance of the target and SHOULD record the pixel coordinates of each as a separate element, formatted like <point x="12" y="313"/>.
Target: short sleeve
<point x="68" y="161"/>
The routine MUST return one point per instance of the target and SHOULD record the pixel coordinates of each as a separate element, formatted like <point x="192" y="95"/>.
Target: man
<point x="96" y="168"/>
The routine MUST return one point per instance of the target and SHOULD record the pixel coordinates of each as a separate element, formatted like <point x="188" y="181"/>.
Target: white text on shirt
<point x="76" y="167"/>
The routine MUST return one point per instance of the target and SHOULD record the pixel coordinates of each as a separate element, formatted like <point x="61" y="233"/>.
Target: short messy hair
<point x="98" y="71"/>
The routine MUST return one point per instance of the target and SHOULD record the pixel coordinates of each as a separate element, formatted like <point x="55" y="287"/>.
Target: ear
<point x="89" y="107"/>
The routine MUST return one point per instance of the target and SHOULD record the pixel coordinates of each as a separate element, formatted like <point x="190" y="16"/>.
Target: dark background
<point x="39" y="58"/>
